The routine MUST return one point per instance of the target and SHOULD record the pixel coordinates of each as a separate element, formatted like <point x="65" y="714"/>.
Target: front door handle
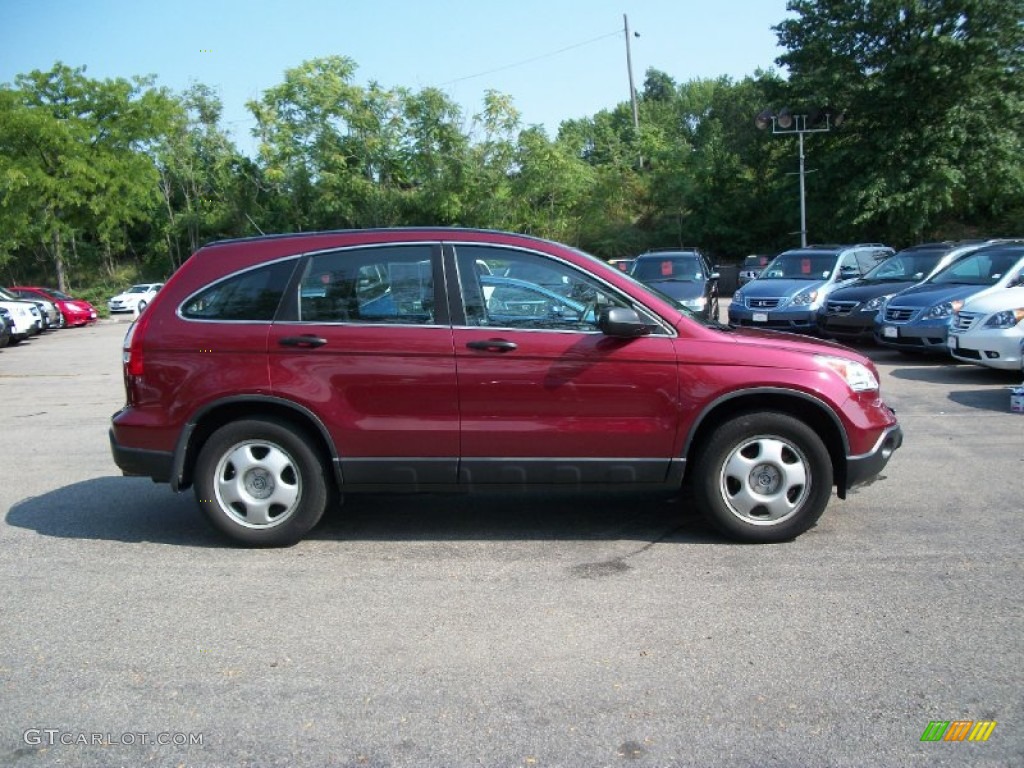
<point x="309" y="340"/>
<point x="492" y="345"/>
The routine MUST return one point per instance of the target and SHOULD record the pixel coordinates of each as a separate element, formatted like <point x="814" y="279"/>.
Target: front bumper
<point x="866" y="467"/>
<point x="793" y="320"/>
<point x="919" y="336"/>
<point x="856" y="325"/>
<point x="78" y="316"/>
<point x="991" y="348"/>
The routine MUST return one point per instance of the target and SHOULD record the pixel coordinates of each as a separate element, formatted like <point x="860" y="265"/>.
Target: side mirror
<point x="621" y="322"/>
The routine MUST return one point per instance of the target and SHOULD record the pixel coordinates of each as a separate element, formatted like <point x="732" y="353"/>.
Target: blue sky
<point x="557" y="59"/>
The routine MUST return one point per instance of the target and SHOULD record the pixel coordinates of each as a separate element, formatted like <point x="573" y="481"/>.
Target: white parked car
<point x="989" y="330"/>
<point x="135" y="298"/>
<point x="49" y="315"/>
<point x="28" y="321"/>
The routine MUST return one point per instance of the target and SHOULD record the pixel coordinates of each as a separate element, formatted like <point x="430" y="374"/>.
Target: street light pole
<point x="786" y="123"/>
<point x="803" y="195"/>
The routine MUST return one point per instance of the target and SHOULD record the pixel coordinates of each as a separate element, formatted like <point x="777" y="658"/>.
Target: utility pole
<point x="632" y="88"/>
<point x="629" y="67"/>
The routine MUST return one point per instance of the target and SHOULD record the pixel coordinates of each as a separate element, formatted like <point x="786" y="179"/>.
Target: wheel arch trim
<point x="730" y="403"/>
<point x="203" y="422"/>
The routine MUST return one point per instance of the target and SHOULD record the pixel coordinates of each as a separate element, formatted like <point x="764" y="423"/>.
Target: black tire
<point x="261" y="483"/>
<point x="139" y="307"/>
<point x="763" y="477"/>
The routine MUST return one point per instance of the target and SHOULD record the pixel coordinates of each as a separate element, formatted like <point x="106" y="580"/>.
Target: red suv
<point x="273" y="374"/>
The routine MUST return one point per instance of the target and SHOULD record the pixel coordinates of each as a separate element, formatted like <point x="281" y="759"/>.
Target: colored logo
<point x="958" y="730"/>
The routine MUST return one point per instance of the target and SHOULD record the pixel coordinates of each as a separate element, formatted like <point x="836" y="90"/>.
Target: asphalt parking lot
<point x="506" y="631"/>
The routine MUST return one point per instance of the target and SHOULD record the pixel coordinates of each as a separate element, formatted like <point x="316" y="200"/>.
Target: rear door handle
<point x="308" y="340"/>
<point x="492" y="345"/>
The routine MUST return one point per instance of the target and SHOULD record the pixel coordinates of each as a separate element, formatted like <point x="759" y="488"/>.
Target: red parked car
<point x="273" y="374"/>
<point x="72" y="311"/>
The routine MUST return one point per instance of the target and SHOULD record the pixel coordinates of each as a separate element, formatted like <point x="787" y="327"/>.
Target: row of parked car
<point x="29" y="310"/>
<point x="962" y="298"/>
<point x="26" y="311"/>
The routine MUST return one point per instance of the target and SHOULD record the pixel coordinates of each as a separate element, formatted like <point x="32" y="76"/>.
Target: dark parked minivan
<point x="275" y="374"/>
<point x="850" y="310"/>
<point x="685" y="276"/>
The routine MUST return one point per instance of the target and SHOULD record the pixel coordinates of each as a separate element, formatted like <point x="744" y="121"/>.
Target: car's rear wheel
<point x="260" y="482"/>
<point x="763" y="477"/>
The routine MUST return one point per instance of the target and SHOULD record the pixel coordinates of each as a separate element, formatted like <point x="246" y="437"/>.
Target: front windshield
<point x="139" y="289"/>
<point x="57" y="294"/>
<point x="982" y="268"/>
<point x="800" y="266"/>
<point x="905" y="266"/>
<point x="669" y="268"/>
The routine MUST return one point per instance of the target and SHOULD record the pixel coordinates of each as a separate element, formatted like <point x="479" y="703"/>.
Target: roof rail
<point x="673" y="250"/>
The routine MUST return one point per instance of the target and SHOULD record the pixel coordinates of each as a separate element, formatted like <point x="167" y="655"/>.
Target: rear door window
<point x="370" y="285"/>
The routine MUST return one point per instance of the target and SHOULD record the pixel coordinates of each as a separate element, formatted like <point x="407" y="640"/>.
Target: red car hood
<point x="792" y="341"/>
<point x="776" y="349"/>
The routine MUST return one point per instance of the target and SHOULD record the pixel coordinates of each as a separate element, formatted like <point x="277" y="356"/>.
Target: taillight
<point x="131" y="353"/>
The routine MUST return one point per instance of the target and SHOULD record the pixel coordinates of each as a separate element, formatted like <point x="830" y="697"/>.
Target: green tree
<point x="332" y="149"/>
<point x="934" y="100"/>
<point x="436" y="157"/>
<point x="550" y="187"/>
<point x="199" y="169"/>
<point x="74" y="163"/>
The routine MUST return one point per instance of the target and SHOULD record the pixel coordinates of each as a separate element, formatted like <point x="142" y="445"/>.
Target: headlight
<point x="876" y="304"/>
<point x="1005" y="319"/>
<point x="945" y="309"/>
<point x="697" y="303"/>
<point x="857" y="376"/>
<point x="737" y="296"/>
<point x="804" y="298"/>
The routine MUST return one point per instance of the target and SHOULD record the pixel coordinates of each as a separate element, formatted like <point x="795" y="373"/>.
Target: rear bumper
<point x="141" y="462"/>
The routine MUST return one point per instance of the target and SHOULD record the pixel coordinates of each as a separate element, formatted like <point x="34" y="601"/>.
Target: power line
<point x="530" y="61"/>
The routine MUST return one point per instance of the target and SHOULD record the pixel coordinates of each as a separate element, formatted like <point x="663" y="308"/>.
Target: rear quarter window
<point x="253" y="295"/>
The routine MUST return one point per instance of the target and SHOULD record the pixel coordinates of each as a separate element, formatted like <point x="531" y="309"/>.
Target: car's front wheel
<point x="260" y="482"/>
<point x="763" y="477"/>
